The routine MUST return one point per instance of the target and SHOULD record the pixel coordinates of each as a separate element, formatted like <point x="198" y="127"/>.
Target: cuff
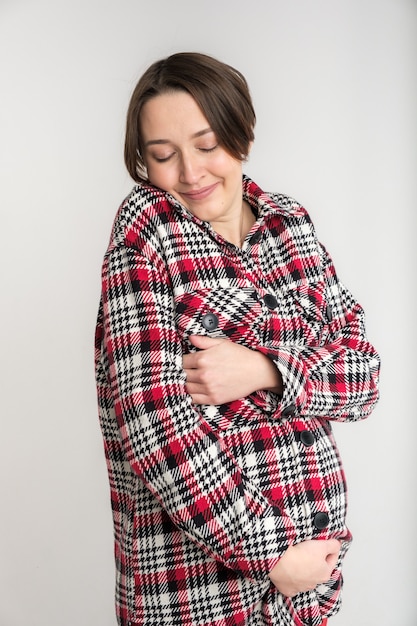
<point x="296" y="384"/>
<point x="261" y="549"/>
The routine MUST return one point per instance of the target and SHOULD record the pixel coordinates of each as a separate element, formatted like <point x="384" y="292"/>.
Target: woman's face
<point x="183" y="157"/>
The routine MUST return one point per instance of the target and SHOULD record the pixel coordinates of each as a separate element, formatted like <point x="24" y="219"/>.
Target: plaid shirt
<point x="206" y="499"/>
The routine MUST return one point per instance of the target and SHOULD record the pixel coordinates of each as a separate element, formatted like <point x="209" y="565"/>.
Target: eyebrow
<point x="200" y="133"/>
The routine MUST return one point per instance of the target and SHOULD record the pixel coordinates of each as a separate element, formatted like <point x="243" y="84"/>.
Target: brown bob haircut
<point x="220" y="91"/>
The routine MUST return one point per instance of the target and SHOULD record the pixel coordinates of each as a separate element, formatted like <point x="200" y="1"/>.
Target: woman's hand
<point x="222" y="371"/>
<point x="305" y="565"/>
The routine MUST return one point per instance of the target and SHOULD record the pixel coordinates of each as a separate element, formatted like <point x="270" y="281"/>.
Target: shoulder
<point x="286" y="218"/>
<point x="272" y="203"/>
<point x="139" y="216"/>
<point x="287" y="206"/>
<point x="291" y="221"/>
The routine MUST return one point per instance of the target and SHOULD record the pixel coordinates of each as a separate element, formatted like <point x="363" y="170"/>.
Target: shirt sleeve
<point x="337" y="379"/>
<point x="166" y="441"/>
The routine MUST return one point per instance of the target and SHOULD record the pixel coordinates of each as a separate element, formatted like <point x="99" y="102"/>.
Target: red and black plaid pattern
<point x="206" y="499"/>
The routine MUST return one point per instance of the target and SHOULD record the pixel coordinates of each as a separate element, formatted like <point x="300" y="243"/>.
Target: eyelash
<point x="165" y="159"/>
<point x="209" y="149"/>
<point x="162" y="160"/>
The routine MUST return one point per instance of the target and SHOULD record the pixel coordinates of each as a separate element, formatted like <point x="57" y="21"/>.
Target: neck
<point x="248" y="220"/>
<point x="236" y="229"/>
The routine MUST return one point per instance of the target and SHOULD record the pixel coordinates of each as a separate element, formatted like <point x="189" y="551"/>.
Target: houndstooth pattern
<point x="206" y="499"/>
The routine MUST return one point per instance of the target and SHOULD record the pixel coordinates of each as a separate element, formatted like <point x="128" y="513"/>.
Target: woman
<point x="225" y="347"/>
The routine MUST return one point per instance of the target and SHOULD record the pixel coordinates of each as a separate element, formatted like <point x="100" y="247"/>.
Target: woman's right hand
<point x="305" y="565"/>
<point x="222" y="371"/>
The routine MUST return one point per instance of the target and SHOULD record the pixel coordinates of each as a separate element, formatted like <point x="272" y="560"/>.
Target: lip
<point x="199" y="194"/>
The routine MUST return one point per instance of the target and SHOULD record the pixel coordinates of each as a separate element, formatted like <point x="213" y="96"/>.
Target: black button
<point x="210" y="321"/>
<point x="288" y="411"/>
<point x="270" y="301"/>
<point x="256" y="237"/>
<point x="307" y="438"/>
<point x="321" y="521"/>
<point x="329" y="312"/>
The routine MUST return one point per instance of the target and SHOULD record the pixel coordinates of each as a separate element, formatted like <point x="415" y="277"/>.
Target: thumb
<point x="331" y="560"/>
<point x="333" y="546"/>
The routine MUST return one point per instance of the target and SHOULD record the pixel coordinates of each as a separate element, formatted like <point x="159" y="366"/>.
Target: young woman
<point x="225" y="347"/>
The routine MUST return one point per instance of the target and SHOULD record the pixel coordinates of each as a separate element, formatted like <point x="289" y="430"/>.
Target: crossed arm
<point x="222" y="371"/>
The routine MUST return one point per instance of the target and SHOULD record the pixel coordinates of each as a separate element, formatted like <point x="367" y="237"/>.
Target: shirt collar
<point x="264" y="203"/>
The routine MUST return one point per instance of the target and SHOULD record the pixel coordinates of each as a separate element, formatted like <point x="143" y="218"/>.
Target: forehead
<point x="170" y="115"/>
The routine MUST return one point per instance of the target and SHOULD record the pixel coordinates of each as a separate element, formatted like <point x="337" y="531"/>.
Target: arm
<point x="339" y="378"/>
<point x="167" y="443"/>
<point x="222" y="371"/>
<point x="305" y="565"/>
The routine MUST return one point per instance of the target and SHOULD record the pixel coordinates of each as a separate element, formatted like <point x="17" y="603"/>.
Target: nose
<point x="190" y="169"/>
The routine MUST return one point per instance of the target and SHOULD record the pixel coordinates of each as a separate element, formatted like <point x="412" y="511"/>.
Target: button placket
<point x="256" y="237"/>
<point x="307" y="438"/>
<point x="329" y="312"/>
<point x="270" y="301"/>
<point x="210" y="321"/>
<point x="289" y="411"/>
<point x="321" y="520"/>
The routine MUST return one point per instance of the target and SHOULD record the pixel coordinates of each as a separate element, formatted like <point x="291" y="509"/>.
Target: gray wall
<point x="334" y="87"/>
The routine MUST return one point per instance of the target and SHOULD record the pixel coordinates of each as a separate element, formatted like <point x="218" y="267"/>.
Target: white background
<point x="334" y="86"/>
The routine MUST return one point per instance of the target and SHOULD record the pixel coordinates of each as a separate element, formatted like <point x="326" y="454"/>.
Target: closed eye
<point x="209" y="149"/>
<point x="163" y="159"/>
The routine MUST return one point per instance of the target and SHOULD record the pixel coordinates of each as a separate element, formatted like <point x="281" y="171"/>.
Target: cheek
<point x="162" y="178"/>
<point x="228" y="167"/>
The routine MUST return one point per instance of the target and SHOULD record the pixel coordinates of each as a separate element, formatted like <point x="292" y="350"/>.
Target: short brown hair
<point x="221" y="92"/>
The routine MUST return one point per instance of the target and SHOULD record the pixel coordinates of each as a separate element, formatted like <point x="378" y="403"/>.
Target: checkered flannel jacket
<point x="206" y="499"/>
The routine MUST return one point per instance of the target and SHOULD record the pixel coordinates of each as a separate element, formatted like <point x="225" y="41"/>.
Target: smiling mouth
<point x="199" y="194"/>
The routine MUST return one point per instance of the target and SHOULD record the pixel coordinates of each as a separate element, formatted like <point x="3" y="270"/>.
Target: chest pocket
<point x="301" y="315"/>
<point x="234" y="312"/>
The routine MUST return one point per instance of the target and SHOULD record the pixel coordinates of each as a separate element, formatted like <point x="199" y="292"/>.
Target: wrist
<point x="270" y="378"/>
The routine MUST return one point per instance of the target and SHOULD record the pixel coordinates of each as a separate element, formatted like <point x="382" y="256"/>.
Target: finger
<point x="203" y="342"/>
<point x="193" y="360"/>
<point x="192" y="376"/>
<point x="331" y="561"/>
<point x="333" y="546"/>
<point x="194" y="383"/>
<point x="199" y="399"/>
<point x="189" y="361"/>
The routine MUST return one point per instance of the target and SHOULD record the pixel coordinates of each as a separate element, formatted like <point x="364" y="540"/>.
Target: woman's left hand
<point x="222" y="371"/>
